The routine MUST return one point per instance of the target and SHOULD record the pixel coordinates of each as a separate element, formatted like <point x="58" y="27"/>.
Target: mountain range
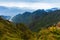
<point x="39" y="18"/>
<point x="12" y="31"/>
<point x="33" y="19"/>
<point x="37" y="25"/>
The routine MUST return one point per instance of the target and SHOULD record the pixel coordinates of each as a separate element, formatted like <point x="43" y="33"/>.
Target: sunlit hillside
<point x="12" y="31"/>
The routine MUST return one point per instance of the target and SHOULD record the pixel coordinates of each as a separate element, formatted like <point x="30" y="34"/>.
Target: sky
<point x="32" y="4"/>
<point x="48" y="1"/>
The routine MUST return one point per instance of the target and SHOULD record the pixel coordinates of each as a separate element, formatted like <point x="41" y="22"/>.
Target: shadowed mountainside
<point x="38" y="19"/>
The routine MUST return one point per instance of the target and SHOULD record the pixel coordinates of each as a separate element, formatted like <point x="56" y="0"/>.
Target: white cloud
<point x="30" y="5"/>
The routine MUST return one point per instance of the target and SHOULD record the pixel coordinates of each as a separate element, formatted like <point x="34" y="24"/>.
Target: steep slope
<point x="50" y="33"/>
<point x="11" y="31"/>
<point x="25" y="18"/>
<point x="45" y="20"/>
<point x="38" y="19"/>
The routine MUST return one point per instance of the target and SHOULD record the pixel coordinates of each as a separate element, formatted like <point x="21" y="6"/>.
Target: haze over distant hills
<point x="36" y="25"/>
<point x="29" y="19"/>
<point x="12" y="11"/>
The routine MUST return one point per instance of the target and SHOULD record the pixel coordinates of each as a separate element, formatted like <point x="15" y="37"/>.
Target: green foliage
<point x="11" y="31"/>
<point x="50" y="33"/>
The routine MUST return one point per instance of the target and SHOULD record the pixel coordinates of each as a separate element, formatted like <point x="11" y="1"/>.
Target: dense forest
<point x="38" y="25"/>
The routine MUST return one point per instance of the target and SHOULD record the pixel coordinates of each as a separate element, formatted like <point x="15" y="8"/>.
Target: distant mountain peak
<point x="27" y="13"/>
<point x="52" y="9"/>
<point x="5" y="17"/>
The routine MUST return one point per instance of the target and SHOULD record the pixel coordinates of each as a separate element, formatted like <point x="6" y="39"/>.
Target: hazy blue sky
<point x="54" y="1"/>
<point x="33" y="4"/>
<point x="30" y="4"/>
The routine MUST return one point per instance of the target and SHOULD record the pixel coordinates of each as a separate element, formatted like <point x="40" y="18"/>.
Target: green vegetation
<point x="11" y="31"/>
<point x="51" y="33"/>
<point x="40" y="25"/>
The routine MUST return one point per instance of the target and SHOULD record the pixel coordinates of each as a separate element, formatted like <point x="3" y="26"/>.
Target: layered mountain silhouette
<point x="25" y="18"/>
<point x="5" y="17"/>
<point x="38" y="25"/>
<point x="39" y="18"/>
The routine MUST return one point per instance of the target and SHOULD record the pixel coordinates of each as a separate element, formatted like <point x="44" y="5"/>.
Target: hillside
<point x="11" y="31"/>
<point x="45" y="20"/>
<point x="50" y="33"/>
<point x="38" y="19"/>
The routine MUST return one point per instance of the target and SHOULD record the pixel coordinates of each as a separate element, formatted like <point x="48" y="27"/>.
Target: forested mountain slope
<point x="38" y="19"/>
